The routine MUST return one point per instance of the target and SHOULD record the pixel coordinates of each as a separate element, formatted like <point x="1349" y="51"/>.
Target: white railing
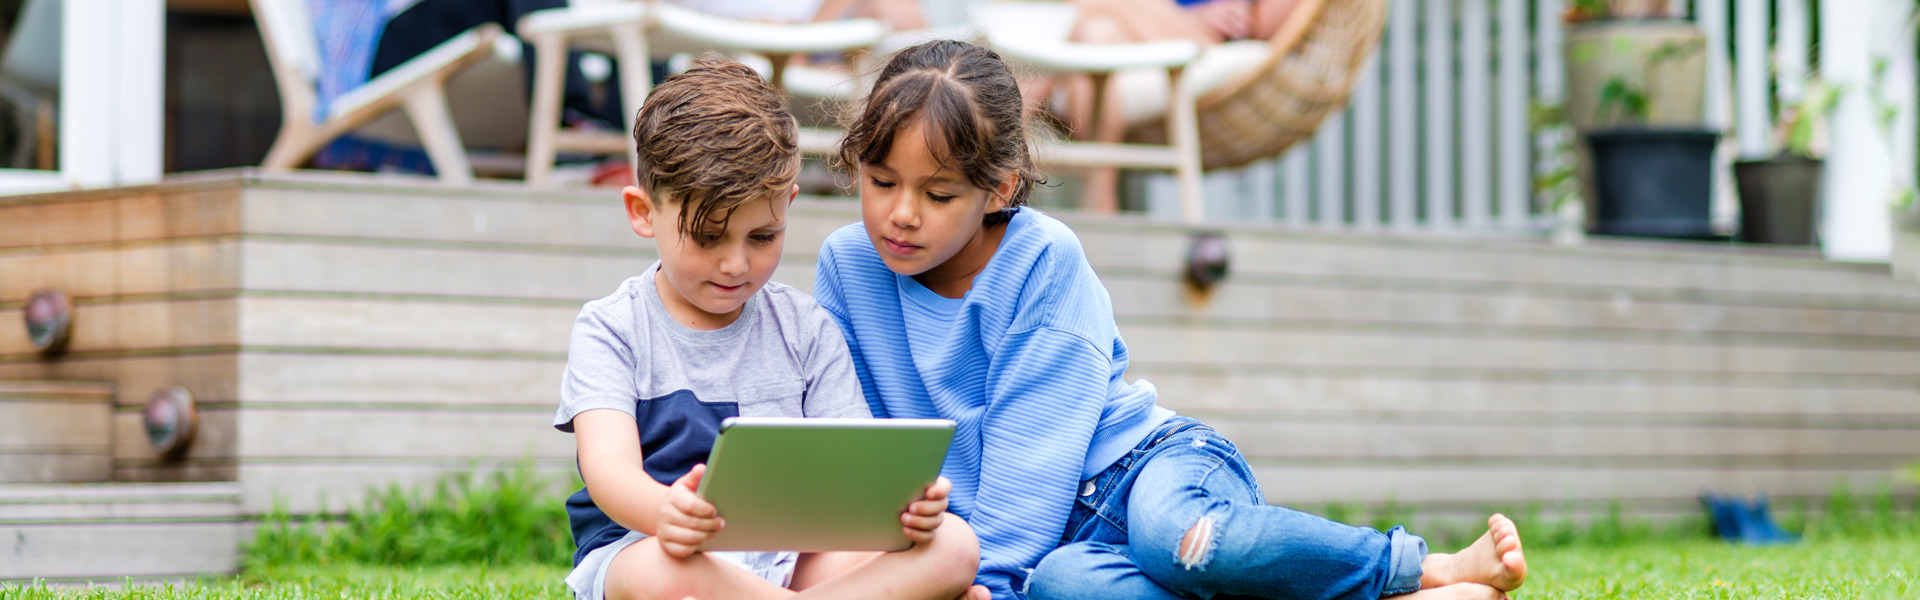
<point x="1437" y="135"/>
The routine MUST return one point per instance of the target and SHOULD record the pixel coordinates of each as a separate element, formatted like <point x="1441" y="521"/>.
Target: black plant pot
<point x="1653" y="182"/>
<point x="1779" y="200"/>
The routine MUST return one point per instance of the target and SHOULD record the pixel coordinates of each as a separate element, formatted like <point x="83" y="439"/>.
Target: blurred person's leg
<point x="899" y="15"/>
<point x="1145" y="20"/>
<point x="427" y="23"/>
<point x="1268" y="16"/>
<point x="1119" y="22"/>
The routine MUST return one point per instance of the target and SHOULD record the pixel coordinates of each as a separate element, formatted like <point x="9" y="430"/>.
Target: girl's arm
<point x="1048" y="392"/>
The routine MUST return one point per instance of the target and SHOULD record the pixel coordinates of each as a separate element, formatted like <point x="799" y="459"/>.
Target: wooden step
<point x="1418" y="485"/>
<point x="55" y="431"/>
<point x="344" y="332"/>
<point x="109" y="531"/>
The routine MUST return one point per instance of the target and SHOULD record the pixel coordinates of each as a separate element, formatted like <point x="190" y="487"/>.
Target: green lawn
<point x="1708" y="569"/>
<point x="1682" y="569"/>
<point x="422" y="544"/>
<point x="450" y="582"/>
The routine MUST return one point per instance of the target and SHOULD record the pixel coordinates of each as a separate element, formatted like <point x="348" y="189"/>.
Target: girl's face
<point x="925" y="218"/>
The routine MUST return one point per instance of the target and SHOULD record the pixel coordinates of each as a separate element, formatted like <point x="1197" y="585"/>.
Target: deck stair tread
<point x="55" y="431"/>
<point x="327" y="324"/>
<point x="107" y="531"/>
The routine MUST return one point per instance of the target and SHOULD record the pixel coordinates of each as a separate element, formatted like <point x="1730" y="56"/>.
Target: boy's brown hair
<point x="712" y="138"/>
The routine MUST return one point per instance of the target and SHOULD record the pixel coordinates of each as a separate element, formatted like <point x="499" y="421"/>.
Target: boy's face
<point x="706" y="278"/>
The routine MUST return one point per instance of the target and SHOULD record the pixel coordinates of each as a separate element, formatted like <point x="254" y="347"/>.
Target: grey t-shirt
<point x="783" y="357"/>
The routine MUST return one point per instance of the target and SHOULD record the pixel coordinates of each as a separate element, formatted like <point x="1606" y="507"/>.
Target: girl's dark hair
<point x="971" y="106"/>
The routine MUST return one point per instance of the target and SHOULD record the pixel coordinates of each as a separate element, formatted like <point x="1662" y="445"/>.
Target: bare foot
<point x="1493" y="560"/>
<point x="1458" y="591"/>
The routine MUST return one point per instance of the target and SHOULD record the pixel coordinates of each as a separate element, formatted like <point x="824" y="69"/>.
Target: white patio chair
<point x="30" y="79"/>
<point x="1250" y="100"/>
<point x="1035" y="34"/>
<point x="416" y="86"/>
<point x="634" y="32"/>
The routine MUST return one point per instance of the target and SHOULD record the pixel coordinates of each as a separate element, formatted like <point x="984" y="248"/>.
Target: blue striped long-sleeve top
<point x="1028" y="363"/>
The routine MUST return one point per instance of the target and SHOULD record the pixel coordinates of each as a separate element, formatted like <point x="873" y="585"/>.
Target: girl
<point x="958" y="304"/>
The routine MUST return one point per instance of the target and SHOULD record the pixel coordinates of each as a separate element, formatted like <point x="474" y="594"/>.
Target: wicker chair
<point x="1315" y="57"/>
<point x="1189" y="110"/>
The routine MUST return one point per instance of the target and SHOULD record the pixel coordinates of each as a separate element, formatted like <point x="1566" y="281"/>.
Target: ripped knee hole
<point x="1197" y="543"/>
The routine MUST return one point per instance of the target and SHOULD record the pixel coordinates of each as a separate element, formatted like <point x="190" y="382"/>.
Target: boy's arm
<point x="610" y="462"/>
<point x="597" y="399"/>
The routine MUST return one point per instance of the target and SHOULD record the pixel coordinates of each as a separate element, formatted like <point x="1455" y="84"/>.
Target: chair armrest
<point x="436" y="62"/>
<point x="1098" y="58"/>
<point x="1035" y="33"/>
<point x="583" y="18"/>
<point x="722" y="33"/>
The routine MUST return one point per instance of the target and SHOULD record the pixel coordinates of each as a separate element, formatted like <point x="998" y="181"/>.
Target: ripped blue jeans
<point x="1123" y="539"/>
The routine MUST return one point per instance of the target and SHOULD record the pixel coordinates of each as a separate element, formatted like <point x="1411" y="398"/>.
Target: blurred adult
<point x="1208" y="22"/>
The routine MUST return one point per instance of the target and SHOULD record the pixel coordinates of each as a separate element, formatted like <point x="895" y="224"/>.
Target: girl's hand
<point x="686" y="519"/>
<point x="923" y="515"/>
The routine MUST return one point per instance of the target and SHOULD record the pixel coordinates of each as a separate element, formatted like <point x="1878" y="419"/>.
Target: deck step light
<point x="49" y="321"/>
<point x="1206" y="260"/>
<point x="170" y="420"/>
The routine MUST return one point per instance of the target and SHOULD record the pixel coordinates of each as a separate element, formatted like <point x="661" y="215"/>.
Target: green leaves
<point x="1618" y="97"/>
<point x="512" y="516"/>
<point x="1804" y="117"/>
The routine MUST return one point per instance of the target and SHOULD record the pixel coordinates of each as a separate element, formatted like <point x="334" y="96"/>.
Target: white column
<point x="1867" y="165"/>
<point x="1754" y="112"/>
<point x="1403" y="116"/>
<point x="1515" y="178"/>
<point x="1330" y="171"/>
<point x="1476" y="106"/>
<point x="1262" y="183"/>
<point x="112" y="64"/>
<point x="1295" y="184"/>
<point x="1439" y="100"/>
<point x="1712" y="20"/>
<point x="1550" y="87"/>
<point x="1365" y="112"/>
<point x="86" y="92"/>
<point x="1790" y="51"/>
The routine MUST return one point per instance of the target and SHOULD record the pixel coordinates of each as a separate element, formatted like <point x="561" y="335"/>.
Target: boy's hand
<point x="923" y="515"/>
<point x="686" y="519"/>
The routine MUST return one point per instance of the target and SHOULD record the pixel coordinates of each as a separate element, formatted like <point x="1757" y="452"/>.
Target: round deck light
<point x="1207" y="259"/>
<point x="170" y="421"/>
<point x="49" y="316"/>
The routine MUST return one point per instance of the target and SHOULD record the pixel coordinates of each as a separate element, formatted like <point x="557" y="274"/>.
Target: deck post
<point x="1869" y="163"/>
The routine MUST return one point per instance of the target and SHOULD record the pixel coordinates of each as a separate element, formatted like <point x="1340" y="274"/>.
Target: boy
<point x="700" y="336"/>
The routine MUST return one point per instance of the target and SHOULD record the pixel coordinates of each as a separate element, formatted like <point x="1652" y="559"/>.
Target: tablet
<point x="817" y="485"/>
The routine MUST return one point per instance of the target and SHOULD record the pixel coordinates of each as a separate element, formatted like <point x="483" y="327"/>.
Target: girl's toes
<point x="1506" y="544"/>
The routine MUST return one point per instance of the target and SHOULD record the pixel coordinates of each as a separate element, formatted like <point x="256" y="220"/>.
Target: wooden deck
<point x="108" y="532"/>
<point x="343" y="332"/>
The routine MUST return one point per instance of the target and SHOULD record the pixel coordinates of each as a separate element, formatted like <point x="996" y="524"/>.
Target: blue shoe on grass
<point x="1745" y="522"/>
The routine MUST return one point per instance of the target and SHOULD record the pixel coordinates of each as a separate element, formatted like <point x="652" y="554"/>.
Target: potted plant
<point x="1637" y="43"/>
<point x="1780" y="196"/>
<point x="1905" y="255"/>
<point x="1634" y="83"/>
